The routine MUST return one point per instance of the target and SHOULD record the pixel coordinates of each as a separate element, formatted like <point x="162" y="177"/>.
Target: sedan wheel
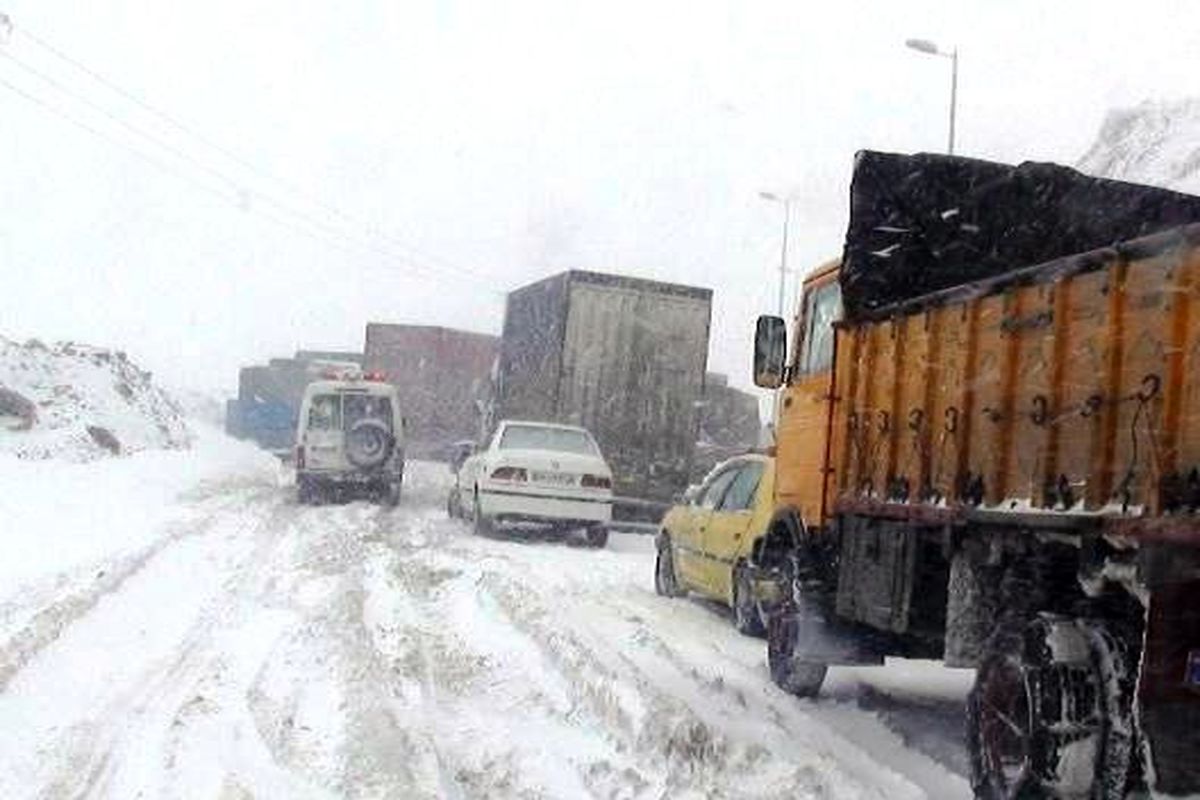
<point x="483" y="525"/>
<point x="597" y="536"/>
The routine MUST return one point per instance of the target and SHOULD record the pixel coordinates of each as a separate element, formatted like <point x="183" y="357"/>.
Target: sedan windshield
<point x="537" y="437"/>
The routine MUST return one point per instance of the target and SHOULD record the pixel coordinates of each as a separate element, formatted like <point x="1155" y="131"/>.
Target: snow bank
<point x="59" y="516"/>
<point x="79" y="403"/>
<point x="1156" y="143"/>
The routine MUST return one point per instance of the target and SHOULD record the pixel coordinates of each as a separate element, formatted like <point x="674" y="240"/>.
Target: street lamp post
<point x="929" y="48"/>
<point x="786" y="202"/>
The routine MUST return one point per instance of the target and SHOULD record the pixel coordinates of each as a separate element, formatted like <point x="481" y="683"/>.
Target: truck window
<point x="741" y="492"/>
<point x="822" y="307"/>
<point x="325" y="413"/>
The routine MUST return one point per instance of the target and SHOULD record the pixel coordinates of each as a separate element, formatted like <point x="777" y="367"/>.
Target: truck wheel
<point x="1050" y="714"/>
<point x="597" y="536"/>
<point x="665" y="582"/>
<point x="788" y="668"/>
<point x="746" y="618"/>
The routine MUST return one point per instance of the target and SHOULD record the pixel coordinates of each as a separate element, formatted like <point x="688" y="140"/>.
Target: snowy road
<point x="256" y="648"/>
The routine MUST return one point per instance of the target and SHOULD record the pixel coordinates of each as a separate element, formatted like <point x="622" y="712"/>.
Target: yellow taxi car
<point x="704" y="543"/>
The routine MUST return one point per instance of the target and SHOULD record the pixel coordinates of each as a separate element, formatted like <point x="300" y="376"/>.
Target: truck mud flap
<point x="819" y="640"/>
<point x="1169" y="688"/>
<point x="878" y="561"/>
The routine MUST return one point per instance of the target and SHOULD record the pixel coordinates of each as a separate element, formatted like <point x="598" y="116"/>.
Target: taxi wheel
<point x="665" y="582"/>
<point x="746" y="618"/>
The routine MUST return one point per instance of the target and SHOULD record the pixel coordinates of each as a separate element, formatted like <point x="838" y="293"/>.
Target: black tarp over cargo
<point x="927" y="222"/>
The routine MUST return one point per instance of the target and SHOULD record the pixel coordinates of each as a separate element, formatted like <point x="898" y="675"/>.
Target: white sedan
<point x="537" y="472"/>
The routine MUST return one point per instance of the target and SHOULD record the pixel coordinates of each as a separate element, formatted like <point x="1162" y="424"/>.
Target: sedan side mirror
<point x="460" y="452"/>
<point x="690" y="494"/>
<point x="770" y="352"/>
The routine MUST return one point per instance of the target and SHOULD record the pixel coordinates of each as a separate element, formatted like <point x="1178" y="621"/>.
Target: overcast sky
<point x="412" y="161"/>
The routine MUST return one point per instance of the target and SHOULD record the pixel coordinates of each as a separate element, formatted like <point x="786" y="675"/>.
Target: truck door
<point x="802" y="430"/>
<point x="728" y="526"/>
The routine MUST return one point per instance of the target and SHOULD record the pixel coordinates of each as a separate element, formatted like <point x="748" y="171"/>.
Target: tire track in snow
<point x="677" y="744"/>
<point x="503" y="722"/>
<point x="379" y="755"/>
<point x="655" y="742"/>
<point x="709" y="722"/>
<point x="392" y="619"/>
<point x="124" y="717"/>
<point x="435" y="663"/>
<point x="40" y="627"/>
<point x="298" y="588"/>
<point x="353" y="651"/>
<point x="836" y="722"/>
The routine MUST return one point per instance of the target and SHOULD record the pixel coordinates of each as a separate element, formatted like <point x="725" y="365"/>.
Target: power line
<point x="183" y="156"/>
<point x="234" y="156"/>
<point x="122" y="123"/>
<point x="101" y="135"/>
<point x="328" y="240"/>
<point x="332" y="235"/>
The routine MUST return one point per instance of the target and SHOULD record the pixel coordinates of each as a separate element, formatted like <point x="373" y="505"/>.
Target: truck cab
<point x="803" y="376"/>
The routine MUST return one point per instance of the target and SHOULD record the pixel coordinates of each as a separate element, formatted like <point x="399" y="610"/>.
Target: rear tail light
<point x="510" y="474"/>
<point x="596" y="482"/>
<point x="299" y="456"/>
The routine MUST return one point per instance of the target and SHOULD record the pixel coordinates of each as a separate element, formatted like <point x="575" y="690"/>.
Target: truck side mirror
<point x="770" y="352"/>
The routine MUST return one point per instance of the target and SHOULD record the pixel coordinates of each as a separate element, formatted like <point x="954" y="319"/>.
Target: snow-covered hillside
<point x="1156" y="143"/>
<point x="77" y="402"/>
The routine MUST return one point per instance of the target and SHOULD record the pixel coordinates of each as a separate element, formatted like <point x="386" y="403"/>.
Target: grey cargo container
<point x="442" y="377"/>
<point x="624" y="357"/>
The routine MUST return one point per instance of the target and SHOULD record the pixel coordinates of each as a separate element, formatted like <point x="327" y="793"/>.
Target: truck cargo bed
<point x="1055" y="389"/>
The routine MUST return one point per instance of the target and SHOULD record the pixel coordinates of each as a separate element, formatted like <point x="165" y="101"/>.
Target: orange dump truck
<point x="988" y="452"/>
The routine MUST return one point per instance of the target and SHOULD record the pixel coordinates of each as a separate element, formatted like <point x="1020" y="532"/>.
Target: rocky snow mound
<point x="79" y="403"/>
<point x="1156" y="143"/>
